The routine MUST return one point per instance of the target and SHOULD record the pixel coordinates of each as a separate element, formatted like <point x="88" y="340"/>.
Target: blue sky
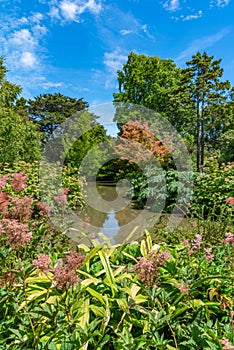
<point x="75" y="47"/>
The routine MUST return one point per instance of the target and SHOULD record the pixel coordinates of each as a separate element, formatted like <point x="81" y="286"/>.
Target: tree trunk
<point x="202" y="134"/>
<point x="198" y="138"/>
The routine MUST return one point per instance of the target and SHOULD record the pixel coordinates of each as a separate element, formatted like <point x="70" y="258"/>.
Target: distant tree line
<point x="195" y="100"/>
<point x="28" y="125"/>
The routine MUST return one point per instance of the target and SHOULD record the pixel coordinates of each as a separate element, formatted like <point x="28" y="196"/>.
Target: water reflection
<point x="111" y="226"/>
<point x="104" y="217"/>
<point x="114" y="223"/>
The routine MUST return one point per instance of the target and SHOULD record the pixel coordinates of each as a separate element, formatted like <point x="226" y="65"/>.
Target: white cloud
<point x="137" y="28"/>
<point x="39" y="30"/>
<point x="196" y="16"/>
<point x="22" y="20"/>
<point x="93" y="7"/>
<point x="28" y="59"/>
<point x="50" y="84"/>
<point x="22" y="47"/>
<point x="223" y="3"/>
<point x="219" y="3"/>
<point x="54" y="13"/>
<point x="126" y="31"/>
<point x="189" y="17"/>
<point x="201" y="44"/>
<point x="23" y="38"/>
<point x="69" y="10"/>
<point x="36" y="17"/>
<point x="171" y="5"/>
<point x="144" y="27"/>
<point x="113" y="61"/>
<point x="119" y="24"/>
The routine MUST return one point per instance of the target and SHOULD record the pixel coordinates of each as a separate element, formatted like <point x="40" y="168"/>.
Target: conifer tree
<point x="209" y="95"/>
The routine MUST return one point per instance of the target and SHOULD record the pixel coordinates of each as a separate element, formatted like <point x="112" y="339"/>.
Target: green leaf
<point x="96" y="295"/>
<point x="98" y="310"/>
<point x="84" y="319"/>
<point x="143" y="248"/>
<point x="123" y="304"/>
<point x="88" y="281"/>
<point x="109" y="273"/>
<point x="92" y="253"/>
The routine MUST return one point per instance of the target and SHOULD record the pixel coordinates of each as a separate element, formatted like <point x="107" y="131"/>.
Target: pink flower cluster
<point x="184" y="288"/>
<point x="209" y="254"/>
<point x="147" y="267"/>
<point x="61" y="197"/>
<point x="17" y="234"/>
<point x="226" y="344"/>
<point x="45" y="209"/>
<point x="18" y="183"/>
<point x="42" y="262"/>
<point x="229" y="238"/>
<point x="3" y="203"/>
<point x="197" y="242"/>
<point x="65" y="276"/>
<point x="3" y="181"/>
<point x="74" y="260"/>
<point x="22" y="208"/>
<point x="230" y="200"/>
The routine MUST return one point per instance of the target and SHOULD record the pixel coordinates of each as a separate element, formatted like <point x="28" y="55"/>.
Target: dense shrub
<point x="213" y="186"/>
<point x="55" y="295"/>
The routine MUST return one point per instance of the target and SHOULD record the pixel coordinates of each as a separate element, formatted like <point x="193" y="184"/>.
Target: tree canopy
<point x="50" y="110"/>
<point x="154" y="83"/>
<point x="19" y="138"/>
<point x="210" y="95"/>
<point x="195" y="100"/>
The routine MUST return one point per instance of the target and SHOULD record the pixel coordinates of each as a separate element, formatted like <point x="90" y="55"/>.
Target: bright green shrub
<point x="212" y="187"/>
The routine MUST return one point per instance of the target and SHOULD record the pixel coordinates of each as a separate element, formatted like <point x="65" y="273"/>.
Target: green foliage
<point x="50" y="110"/>
<point x="157" y="189"/>
<point x="195" y="100"/>
<point x="153" y="83"/>
<point x="99" y="296"/>
<point x="70" y="179"/>
<point x="8" y="91"/>
<point x="226" y="148"/>
<point x="81" y="145"/>
<point x="210" y="94"/>
<point x="213" y="186"/>
<point x="19" y="138"/>
<point x="111" y="309"/>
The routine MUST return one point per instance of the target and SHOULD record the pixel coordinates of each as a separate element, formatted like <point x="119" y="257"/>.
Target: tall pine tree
<point x="210" y="96"/>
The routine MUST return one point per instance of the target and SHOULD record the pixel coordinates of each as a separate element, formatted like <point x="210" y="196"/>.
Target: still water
<point x="112" y="213"/>
<point x="109" y="211"/>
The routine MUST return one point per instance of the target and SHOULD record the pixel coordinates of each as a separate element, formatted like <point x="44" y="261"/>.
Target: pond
<point x="110" y="211"/>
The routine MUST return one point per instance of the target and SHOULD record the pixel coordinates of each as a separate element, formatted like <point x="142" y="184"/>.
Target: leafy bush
<point x="166" y="298"/>
<point x="55" y="295"/>
<point x="212" y="187"/>
<point x="19" y="138"/>
<point x="70" y="179"/>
